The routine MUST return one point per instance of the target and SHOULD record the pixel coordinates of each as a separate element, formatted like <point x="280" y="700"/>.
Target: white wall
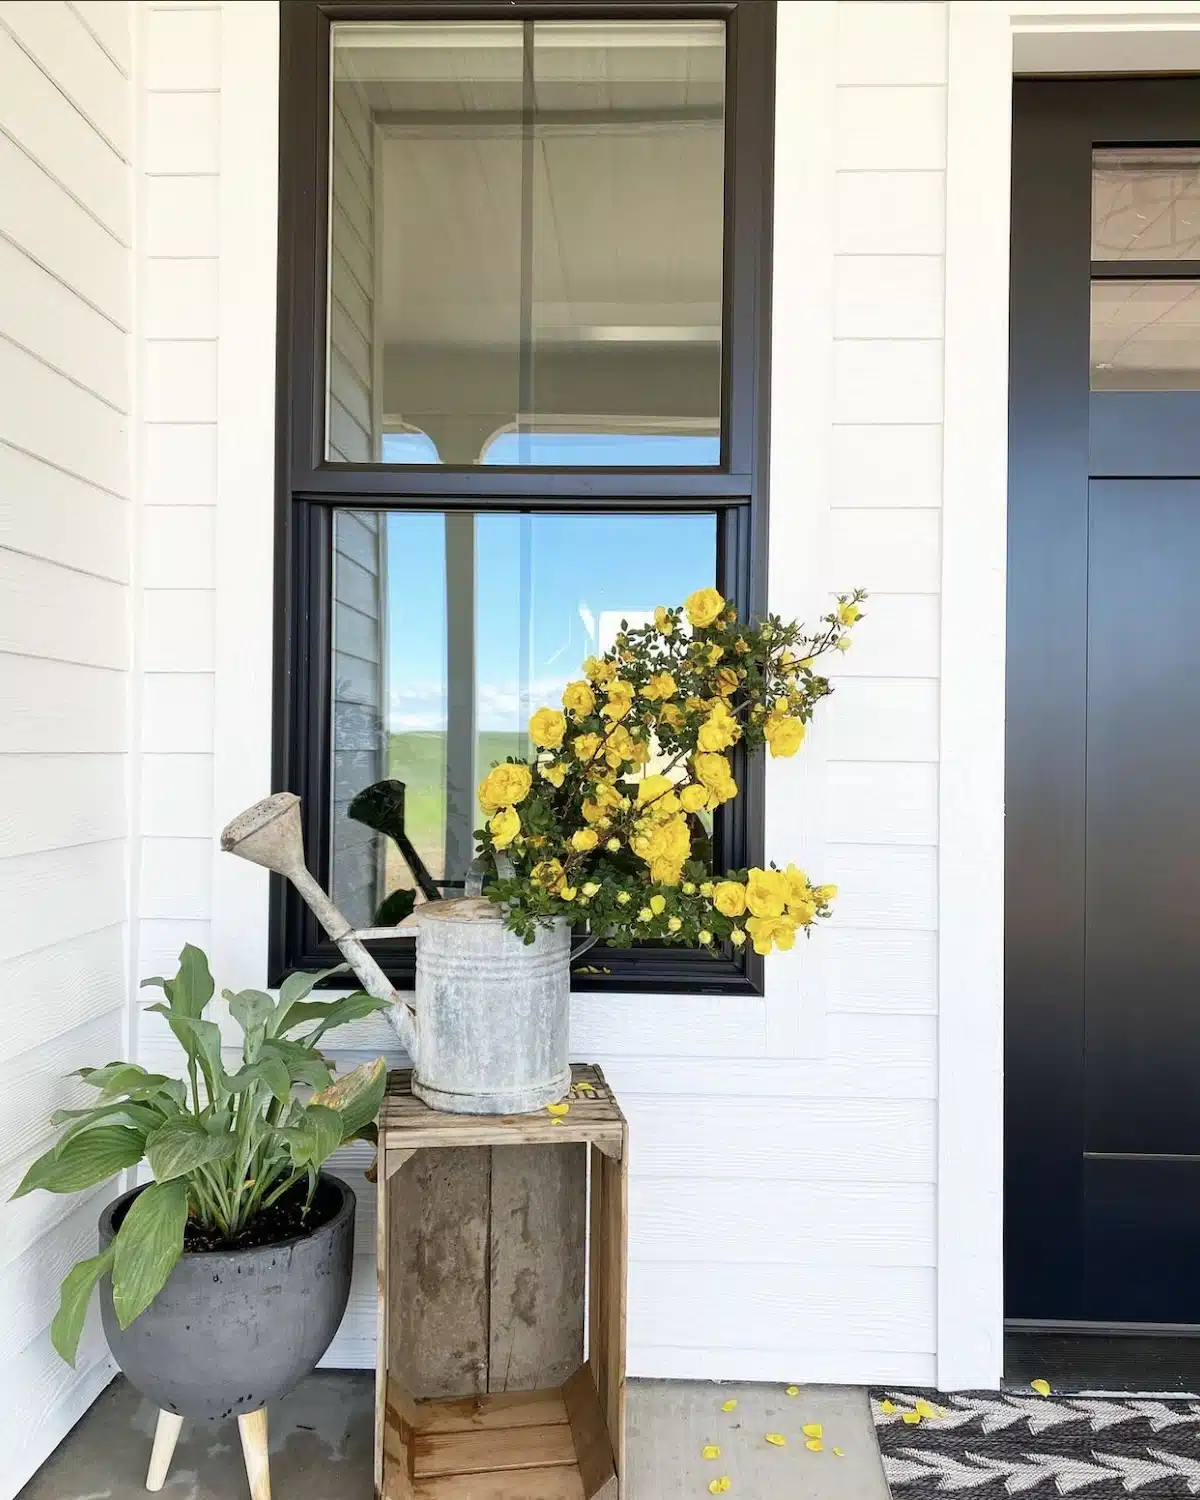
<point x="66" y="230"/>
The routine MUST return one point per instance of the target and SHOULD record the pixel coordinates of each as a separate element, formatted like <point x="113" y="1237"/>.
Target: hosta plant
<point x="235" y="1156"/>
<point x="608" y="823"/>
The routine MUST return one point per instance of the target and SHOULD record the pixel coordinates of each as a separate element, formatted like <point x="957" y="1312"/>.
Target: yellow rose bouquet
<point x="609" y="823"/>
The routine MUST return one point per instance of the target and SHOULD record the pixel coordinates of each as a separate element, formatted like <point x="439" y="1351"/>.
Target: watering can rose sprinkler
<point x="489" y="1033"/>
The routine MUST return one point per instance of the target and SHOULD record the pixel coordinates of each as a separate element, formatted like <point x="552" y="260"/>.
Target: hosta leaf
<point x="356" y="1096"/>
<point x="147" y="1245"/>
<point x="193" y="985"/>
<point x="314" y="1137"/>
<point x="331" y="1013"/>
<point x="251" y="1009"/>
<point x="304" y="1064"/>
<point x="76" y="1293"/>
<point x="268" y="1070"/>
<point x="143" y="1117"/>
<point x="90" y="1157"/>
<point x="297" y="987"/>
<point x="182" y="1145"/>
<point x="201" y="1040"/>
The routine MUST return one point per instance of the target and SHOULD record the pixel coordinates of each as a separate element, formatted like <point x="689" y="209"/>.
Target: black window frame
<point x="310" y="489"/>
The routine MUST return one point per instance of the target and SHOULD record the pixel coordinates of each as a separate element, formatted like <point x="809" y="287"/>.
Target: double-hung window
<point x="524" y="270"/>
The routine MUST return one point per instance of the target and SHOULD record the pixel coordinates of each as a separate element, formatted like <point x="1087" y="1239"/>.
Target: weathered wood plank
<point x="521" y="1484"/>
<point x="438" y="1453"/>
<point x="486" y="1413"/>
<point x="593" y="1449"/>
<point x="438" y="1282"/>
<point x="538" y="1246"/>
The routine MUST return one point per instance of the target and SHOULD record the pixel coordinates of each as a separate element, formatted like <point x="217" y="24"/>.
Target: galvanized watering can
<point x="489" y="1031"/>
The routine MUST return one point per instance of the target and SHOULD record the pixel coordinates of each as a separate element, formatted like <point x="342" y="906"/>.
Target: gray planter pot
<point x="235" y="1329"/>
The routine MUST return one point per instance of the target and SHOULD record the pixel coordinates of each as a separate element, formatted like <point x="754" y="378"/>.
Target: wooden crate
<point x="484" y="1248"/>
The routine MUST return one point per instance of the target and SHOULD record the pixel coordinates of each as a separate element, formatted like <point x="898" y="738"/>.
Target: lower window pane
<point x="450" y="630"/>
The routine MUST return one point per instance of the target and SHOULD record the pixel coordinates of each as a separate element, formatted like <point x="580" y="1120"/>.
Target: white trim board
<point x="986" y="43"/>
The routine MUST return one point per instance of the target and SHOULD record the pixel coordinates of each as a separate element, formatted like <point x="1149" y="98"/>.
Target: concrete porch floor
<point x="321" y="1445"/>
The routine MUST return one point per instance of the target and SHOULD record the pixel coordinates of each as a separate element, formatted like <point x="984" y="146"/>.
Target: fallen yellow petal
<point x="793" y="1390"/>
<point x="777" y="1439"/>
<point x="813" y="1429"/>
<point x="837" y="1453"/>
<point x="557" y="1109"/>
<point x="924" y="1409"/>
<point x="1042" y="1387"/>
<point x="911" y="1417"/>
<point x="815" y="1445"/>
<point x="710" y="1450"/>
<point x="556" y="1122"/>
<point x="728" y="1405"/>
<point x="719" y="1486"/>
<point x="887" y="1407"/>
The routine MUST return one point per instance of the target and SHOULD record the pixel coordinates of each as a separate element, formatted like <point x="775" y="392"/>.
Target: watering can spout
<point x="270" y="834"/>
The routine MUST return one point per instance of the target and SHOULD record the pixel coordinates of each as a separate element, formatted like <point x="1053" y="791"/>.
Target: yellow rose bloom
<point x="719" y="730"/>
<point x="619" y="747"/>
<point x="596" y="669"/>
<point x="546" y="728"/>
<point x="662" y="621"/>
<point x="844" y="643"/>
<point x="504" y="786"/>
<point x="825" y="894"/>
<point x="607" y="796"/>
<point x="704" y="937"/>
<point x="766" y="893"/>
<point x="613" y="844"/>
<point x="555" y="774"/>
<point x="661" y="685"/>
<point x="645" y="915"/>
<point x="584" y="839"/>
<point x="796" y="885"/>
<point x="591" y="889"/>
<point x="619" y="700"/>
<point x="725" y="681"/>
<point x="768" y="932"/>
<point x="567" y="892"/>
<point x="658" y="904"/>
<point x="737" y="937"/>
<point x="713" y="773"/>
<point x="729" y="897"/>
<point x="707" y="889"/>
<point x="671" y="715"/>
<point x="665" y="871"/>
<point x="585" y="746"/>
<point x="638" y="753"/>
<point x="703" y="607"/>
<point x="579" y="699"/>
<point x="652" y="787"/>
<point x="715" y="653"/>
<point x="784" y="735"/>
<point x="688" y="888"/>
<point x="847" y="613"/>
<point x="623" y="898"/>
<point x="504" y="827"/>
<point x="548" y="874"/>
<point x="693" y="798"/>
<point x="802" y="912"/>
<point x="674" y="924"/>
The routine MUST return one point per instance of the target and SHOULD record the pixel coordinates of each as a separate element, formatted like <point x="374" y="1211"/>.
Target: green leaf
<point x="304" y="1063"/>
<point x="88" y="1158"/>
<point x="193" y="985"/>
<point x="182" y="1145"/>
<point x="201" y="1040"/>
<point x="148" y="1243"/>
<point x="356" y="1096"/>
<point x="331" y="1013"/>
<point x="315" y="1136"/>
<point x="131" y="1080"/>
<point x="143" y="1117"/>
<point x="297" y="987"/>
<point x="251" y="1009"/>
<point x="268" y="1070"/>
<point x="76" y="1293"/>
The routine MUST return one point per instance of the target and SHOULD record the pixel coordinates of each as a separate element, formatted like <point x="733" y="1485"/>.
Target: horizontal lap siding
<point x="66" y="227"/>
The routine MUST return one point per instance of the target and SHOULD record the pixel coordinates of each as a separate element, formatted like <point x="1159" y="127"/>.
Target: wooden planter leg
<point x="253" y="1428"/>
<point x="166" y="1435"/>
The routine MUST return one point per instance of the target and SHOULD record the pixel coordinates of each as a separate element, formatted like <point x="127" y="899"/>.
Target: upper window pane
<point x="526" y="243"/>
<point x="1146" y="203"/>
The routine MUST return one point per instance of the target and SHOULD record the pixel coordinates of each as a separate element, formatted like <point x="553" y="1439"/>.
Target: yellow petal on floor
<point x="924" y="1409"/>
<point x="556" y="1122"/>
<point x="719" y="1486"/>
<point x="730" y="1405"/>
<point x="911" y="1417"/>
<point x="777" y="1439"/>
<point x="837" y="1453"/>
<point x="887" y="1407"/>
<point x="710" y="1450"/>
<point x="557" y="1109"/>
<point x="1042" y="1387"/>
<point x="792" y="1390"/>
<point x="815" y="1445"/>
<point x="813" y="1429"/>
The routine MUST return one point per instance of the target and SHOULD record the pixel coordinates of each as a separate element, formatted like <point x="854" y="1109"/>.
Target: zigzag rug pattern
<point x="992" y="1445"/>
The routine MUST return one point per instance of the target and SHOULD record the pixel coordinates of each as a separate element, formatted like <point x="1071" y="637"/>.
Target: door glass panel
<point x="527" y="242"/>
<point x="1146" y="203"/>
<point x="450" y="630"/>
<point x="1145" y="335"/>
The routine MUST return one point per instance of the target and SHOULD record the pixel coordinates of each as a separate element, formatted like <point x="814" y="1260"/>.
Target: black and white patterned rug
<point x="992" y="1445"/>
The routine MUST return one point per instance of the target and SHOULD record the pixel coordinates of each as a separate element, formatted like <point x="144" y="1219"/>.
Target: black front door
<point x="1102" y="1089"/>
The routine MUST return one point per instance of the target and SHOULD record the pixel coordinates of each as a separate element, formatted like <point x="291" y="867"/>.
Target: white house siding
<point x="66" y="230"/>
<point x="784" y="1150"/>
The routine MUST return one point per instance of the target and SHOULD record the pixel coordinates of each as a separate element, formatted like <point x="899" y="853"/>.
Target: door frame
<point x="987" y="43"/>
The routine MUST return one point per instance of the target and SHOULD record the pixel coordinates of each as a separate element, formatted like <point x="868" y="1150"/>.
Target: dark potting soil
<point x="285" y="1220"/>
